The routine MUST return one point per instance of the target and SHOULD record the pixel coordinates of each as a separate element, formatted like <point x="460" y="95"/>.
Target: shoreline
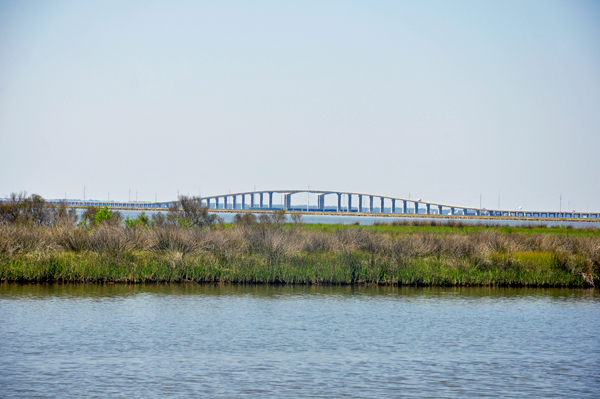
<point x="276" y="284"/>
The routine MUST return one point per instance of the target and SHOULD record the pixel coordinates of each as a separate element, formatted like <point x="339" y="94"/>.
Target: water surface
<point x="372" y="219"/>
<point x="285" y="341"/>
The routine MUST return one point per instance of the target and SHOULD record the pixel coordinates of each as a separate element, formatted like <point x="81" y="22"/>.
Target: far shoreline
<point x="368" y="214"/>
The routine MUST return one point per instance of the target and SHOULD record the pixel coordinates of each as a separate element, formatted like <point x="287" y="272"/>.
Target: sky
<point x="447" y="101"/>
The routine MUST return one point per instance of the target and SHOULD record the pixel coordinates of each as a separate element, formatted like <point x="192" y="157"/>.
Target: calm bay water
<point x="369" y="220"/>
<point x="281" y="341"/>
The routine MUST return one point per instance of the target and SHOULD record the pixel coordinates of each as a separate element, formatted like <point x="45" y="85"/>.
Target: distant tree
<point x="94" y="216"/>
<point x="245" y="219"/>
<point x="88" y="217"/>
<point x="141" y="221"/>
<point x="10" y="211"/>
<point x="189" y="212"/>
<point x="64" y="215"/>
<point x="279" y="217"/>
<point x="297" y="218"/>
<point x="275" y="218"/>
<point x="26" y="210"/>
<point x="36" y="212"/>
<point x="159" y="219"/>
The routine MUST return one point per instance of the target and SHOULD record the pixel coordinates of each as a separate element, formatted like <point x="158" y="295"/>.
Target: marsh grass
<point x="303" y="254"/>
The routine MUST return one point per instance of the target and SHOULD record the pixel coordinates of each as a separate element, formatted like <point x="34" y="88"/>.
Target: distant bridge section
<point x="369" y="203"/>
<point x="354" y="202"/>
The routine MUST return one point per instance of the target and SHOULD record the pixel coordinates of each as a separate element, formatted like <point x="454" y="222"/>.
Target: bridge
<point x="347" y="202"/>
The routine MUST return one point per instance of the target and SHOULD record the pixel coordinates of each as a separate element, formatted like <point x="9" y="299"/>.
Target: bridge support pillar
<point x="271" y="200"/>
<point x="287" y="201"/>
<point x="360" y="203"/>
<point x="439" y="210"/>
<point x="234" y="202"/>
<point x="252" y="201"/>
<point x="382" y="207"/>
<point x="452" y="211"/>
<point x="370" y="203"/>
<point x="339" y="205"/>
<point x="321" y="202"/>
<point x="208" y="203"/>
<point x="478" y="212"/>
<point x="262" y="204"/>
<point x="349" y="202"/>
<point x="465" y="212"/>
<point x="404" y="207"/>
<point x="243" y="201"/>
<point x="428" y="208"/>
<point x="393" y="206"/>
<point x="416" y="208"/>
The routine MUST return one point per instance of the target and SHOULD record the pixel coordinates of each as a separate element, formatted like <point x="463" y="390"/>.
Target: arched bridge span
<point x="369" y="203"/>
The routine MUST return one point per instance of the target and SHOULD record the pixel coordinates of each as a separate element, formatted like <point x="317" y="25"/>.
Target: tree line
<point x="187" y="212"/>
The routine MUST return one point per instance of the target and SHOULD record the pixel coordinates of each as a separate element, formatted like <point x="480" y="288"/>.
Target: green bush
<point x="141" y="221"/>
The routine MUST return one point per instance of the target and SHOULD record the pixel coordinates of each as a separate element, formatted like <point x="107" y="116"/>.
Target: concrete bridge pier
<point x="321" y="202"/>
<point x="232" y="202"/>
<point x="287" y="201"/>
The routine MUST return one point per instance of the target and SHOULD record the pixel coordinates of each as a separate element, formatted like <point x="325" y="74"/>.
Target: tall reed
<point x="301" y="253"/>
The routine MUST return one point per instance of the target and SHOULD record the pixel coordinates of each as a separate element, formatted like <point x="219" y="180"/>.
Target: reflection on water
<point x="13" y="291"/>
<point x="185" y="340"/>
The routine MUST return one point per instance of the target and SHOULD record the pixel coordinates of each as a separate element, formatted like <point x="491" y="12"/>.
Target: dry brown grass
<point x="483" y="248"/>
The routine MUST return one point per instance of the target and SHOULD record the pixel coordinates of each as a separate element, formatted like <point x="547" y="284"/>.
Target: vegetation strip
<point x="189" y="244"/>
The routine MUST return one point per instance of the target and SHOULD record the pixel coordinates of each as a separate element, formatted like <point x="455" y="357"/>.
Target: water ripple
<point x="268" y="341"/>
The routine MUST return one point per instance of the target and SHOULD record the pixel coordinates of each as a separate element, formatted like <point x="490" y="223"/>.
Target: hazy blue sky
<point x="443" y="100"/>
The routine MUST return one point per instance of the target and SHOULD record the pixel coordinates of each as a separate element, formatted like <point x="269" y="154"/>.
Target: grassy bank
<point x="303" y="254"/>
